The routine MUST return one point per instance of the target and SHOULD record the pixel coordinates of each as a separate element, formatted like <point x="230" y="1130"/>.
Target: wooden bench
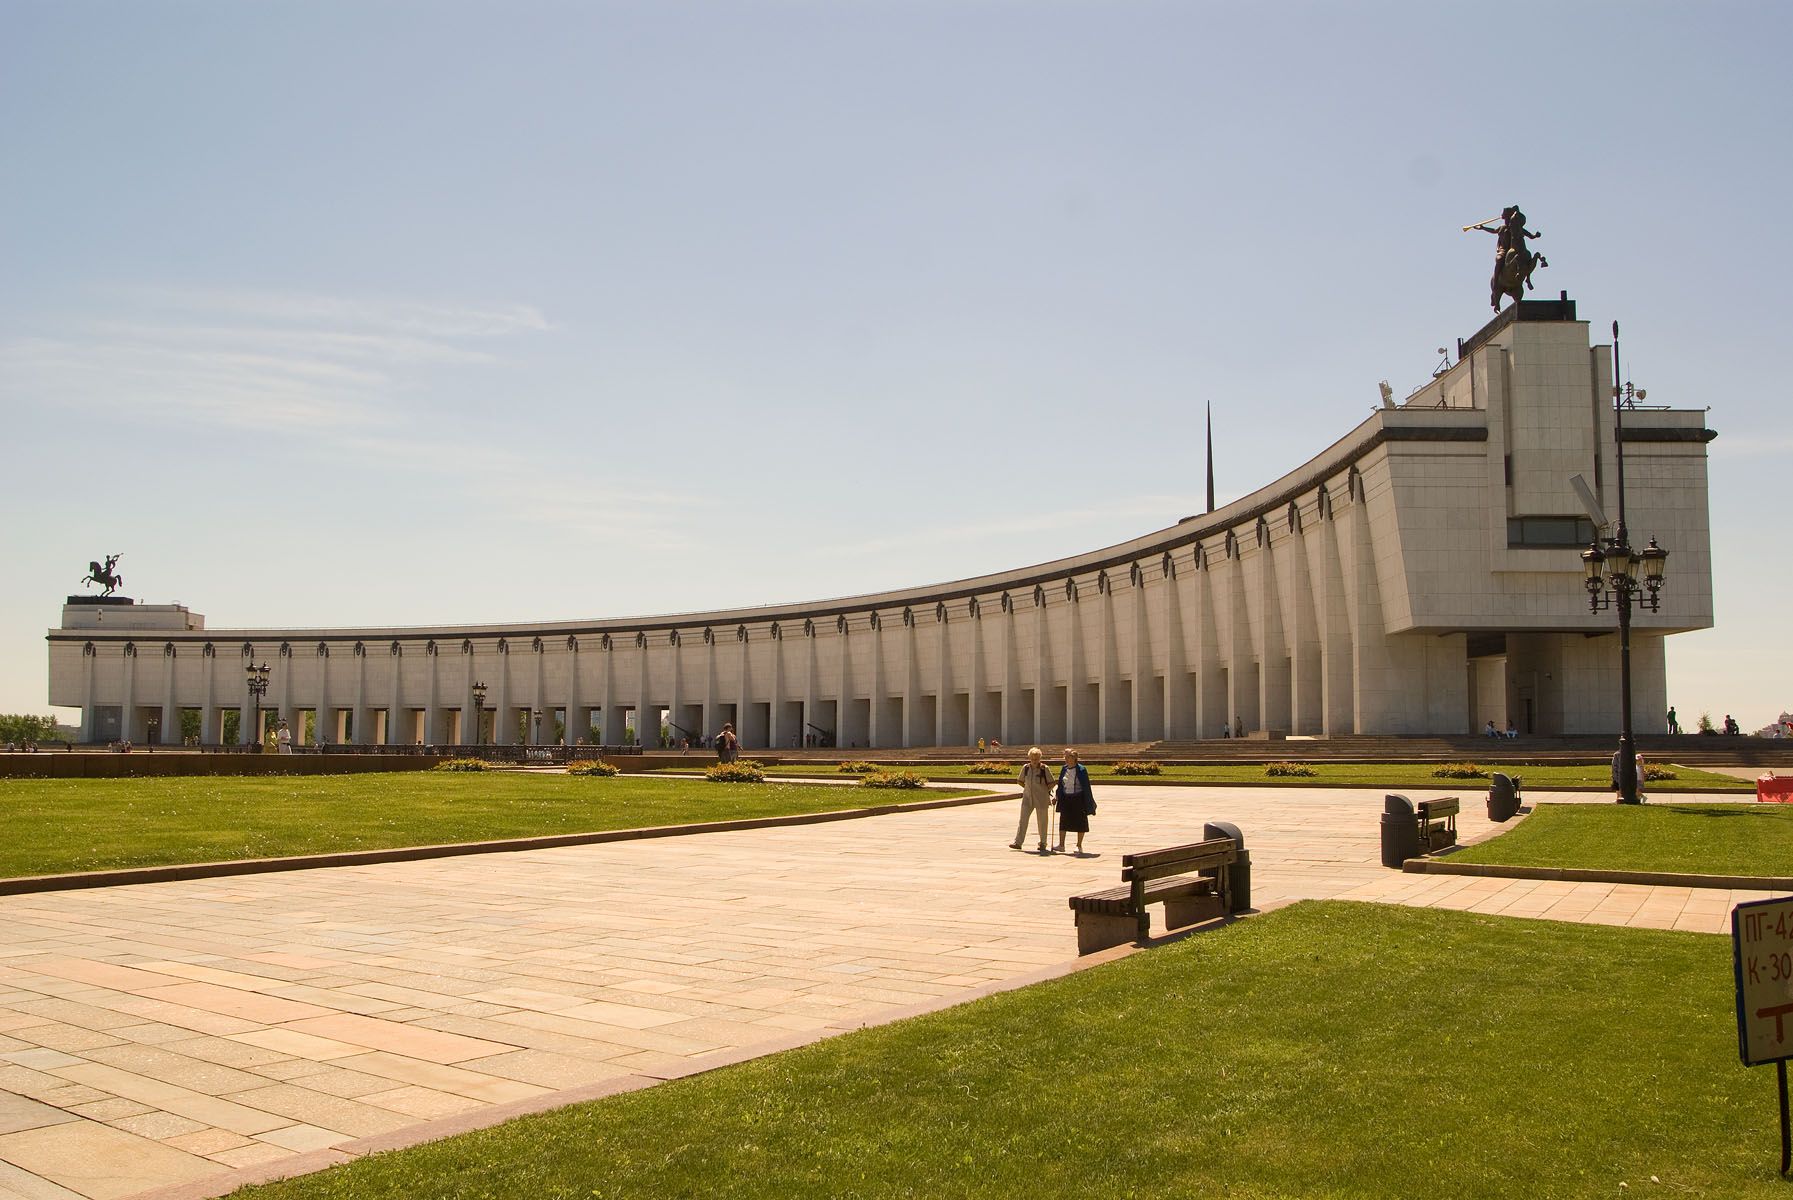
<point x="1193" y="883"/>
<point x="1437" y="823"/>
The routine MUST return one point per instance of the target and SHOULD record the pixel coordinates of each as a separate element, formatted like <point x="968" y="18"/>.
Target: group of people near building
<point x="1044" y="792"/>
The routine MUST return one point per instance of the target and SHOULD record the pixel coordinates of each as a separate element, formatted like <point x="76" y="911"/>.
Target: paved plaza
<point x="167" y="1034"/>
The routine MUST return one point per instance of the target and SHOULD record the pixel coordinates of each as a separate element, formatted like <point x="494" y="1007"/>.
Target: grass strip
<point x="1714" y="839"/>
<point x="1327" y="1050"/>
<point x="1544" y="777"/>
<point x="58" y="825"/>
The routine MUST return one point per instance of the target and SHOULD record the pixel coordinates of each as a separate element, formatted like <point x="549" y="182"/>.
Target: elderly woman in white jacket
<point x="1037" y="785"/>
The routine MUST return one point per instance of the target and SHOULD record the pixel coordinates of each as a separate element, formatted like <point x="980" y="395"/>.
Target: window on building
<point x="1549" y="531"/>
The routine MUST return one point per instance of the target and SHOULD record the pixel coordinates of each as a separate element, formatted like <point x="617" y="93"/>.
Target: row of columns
<point x="1276" y="634"/>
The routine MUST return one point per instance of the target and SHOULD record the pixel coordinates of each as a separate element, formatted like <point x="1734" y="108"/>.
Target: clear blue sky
<point x="400" y="313"/>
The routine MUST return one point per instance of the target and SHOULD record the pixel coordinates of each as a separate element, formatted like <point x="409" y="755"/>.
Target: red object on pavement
<point x="1775" y="789"/>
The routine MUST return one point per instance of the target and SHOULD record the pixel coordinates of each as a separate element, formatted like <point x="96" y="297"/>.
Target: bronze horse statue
<point x="105" y="576"/>
<point x="1513" y="260"/>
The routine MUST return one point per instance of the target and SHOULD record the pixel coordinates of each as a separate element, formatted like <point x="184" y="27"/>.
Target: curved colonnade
<point x="1389" y="585"/>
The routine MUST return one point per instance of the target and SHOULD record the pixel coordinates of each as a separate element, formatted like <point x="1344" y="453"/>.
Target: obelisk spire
<point x="1210" y="458"/>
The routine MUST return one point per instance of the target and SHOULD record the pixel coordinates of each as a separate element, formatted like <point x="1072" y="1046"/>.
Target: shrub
<point x="744" y="771"/>
<point x="893" y="779"/>
<point x="463" y="764"/>
<point x="595" y="766"/>
<point x="988" y="768"/>
<point x="1653" y="772"/>
<point x="857" y="768"/>
<point x="1459" y="771"/>
<point x="1280" y="770"/>
<point x="1138" y="768"/>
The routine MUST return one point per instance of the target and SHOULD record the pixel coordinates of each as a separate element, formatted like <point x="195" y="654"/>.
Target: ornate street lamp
<point x="1618" y="577"/>
<point x="537" y="714"/>
<point x="479" y="711"/>
<point x="258" y="687"/>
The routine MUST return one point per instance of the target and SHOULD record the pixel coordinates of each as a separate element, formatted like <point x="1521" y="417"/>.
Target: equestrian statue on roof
<point x="1513" y="260"/>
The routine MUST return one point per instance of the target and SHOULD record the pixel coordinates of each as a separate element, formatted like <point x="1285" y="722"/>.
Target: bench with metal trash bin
<point x="1503" y="797"/>
<point x="1409" y="831"/>
<point x="1196" y="882"/>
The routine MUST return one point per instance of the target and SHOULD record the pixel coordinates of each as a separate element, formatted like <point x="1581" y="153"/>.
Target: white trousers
<point x="1041" y="812"/>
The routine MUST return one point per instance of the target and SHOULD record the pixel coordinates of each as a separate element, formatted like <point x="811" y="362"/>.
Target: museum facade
<point x="1420" y="576"/>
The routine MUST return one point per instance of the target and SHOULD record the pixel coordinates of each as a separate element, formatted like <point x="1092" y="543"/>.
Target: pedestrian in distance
<point x="1674" y="722"/>
<point x="1036" y="799"/>
<point x="728" y="746"/>
<point x="1074" y="800"/>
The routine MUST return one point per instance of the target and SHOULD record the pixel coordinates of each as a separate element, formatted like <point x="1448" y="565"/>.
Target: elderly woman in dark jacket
<point x="1075" y="802"/>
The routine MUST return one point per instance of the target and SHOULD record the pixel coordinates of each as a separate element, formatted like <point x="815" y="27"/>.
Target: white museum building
<point x="1420" y="576"/>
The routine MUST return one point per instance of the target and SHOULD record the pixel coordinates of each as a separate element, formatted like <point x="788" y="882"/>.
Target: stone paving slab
<point x="171" y="1033"/>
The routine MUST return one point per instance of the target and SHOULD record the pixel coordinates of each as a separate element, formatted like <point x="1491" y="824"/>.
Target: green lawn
<point x="1721" y="839"/>
<point x="1326" y="1050"/>
<point x="56" y="825"/>
<point x="1390" y="775"/>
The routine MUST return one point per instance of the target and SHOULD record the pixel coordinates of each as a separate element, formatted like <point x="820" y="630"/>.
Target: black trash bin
<point x="1241" y="868"/>
<point x="1400" y="831"/>
<point x="1503" y="797"/>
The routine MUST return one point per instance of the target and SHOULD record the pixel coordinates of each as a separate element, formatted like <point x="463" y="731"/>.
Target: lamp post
<point x="258" y="687"/>
<point x="479" y="710"/>
<point x="537" y="714"/>
<point x="1619" y="577"/>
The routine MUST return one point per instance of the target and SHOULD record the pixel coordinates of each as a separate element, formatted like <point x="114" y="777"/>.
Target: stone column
<point x="1074" y="670"/>
<point x="613" y="726"/>
<point x="363" y="736"/>
<point x="943" y="683"/>
<point x="675" y="714"/>
<point x="469" y="731"/>
<point x="432" y="696"/>
<point x="246" y="710"/>
<point x="911" y="685"/>
<point x="809" y="682"/>
<point x="1011" y="673"/>
<point x="843" y="692"/>
<point x="504" y="722"/>
<point x="746" y="693"/>
<point x="324" y="729"/>
<point x="974" y="703"/>
<point x="1176" y="662"/>
<point x="210" y="717"/>
<point x="872" y="725"/>
<point x="288" y="713"/>
<point x="128" y="711"/>
<point x="1106" y="653"/>
<point x="542" y="732"/>
<point x="647" y="724"/>
<point x="171" y="713"/>
<point x="88" y="655"/>
<point x="578" y="719"/>
<point x="1141" y="665"/>
<point x="1042" y="669"/>
<point x="395" y="725"/>
<point x="710" y="722"/>
<point x="776" y="735"/>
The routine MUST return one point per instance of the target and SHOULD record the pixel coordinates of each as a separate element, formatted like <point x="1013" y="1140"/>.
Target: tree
<point x="24" y="727"/>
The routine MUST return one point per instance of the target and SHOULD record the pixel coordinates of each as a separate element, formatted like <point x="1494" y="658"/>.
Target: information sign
<point x="1762" y="952"/>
